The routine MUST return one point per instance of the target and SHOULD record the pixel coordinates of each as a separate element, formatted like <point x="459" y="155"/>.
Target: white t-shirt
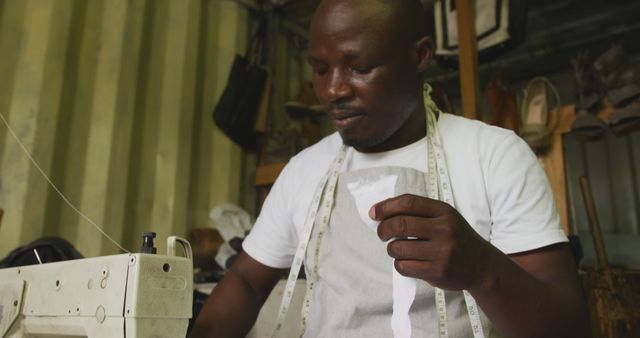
<point x="498" y="186"/>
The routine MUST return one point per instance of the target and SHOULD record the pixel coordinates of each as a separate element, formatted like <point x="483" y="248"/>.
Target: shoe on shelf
<point x="621" y="80"/>
<point x="536" y="114"/>
<point x="587" y="125"/>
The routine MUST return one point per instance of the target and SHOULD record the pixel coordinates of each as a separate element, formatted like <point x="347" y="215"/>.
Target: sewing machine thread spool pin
<point x="147" y="243"/>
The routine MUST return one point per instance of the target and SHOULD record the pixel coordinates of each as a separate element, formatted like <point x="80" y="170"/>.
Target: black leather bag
<point x="50" y="249"/>
<point x="235" y="113"/>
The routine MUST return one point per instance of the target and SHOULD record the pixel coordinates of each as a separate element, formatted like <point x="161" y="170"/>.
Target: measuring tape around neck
<point x="434" y="193"/>
<point x="439" y="187"/>
<point x="324" y="192"/>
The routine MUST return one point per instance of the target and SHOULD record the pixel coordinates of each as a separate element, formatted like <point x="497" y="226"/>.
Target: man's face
<point x="367" y="74"/>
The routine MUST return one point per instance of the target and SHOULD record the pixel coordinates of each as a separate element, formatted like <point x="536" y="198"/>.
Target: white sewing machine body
<point x="128" y="295"/>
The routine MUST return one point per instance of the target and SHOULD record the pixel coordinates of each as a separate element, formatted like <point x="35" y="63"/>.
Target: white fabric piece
<point x="224" y="252"/>
<point x="404" y="293"/>
<point x="231" y="221"/>
<point x="357" y="293"/>
<point x="366" y="194"/>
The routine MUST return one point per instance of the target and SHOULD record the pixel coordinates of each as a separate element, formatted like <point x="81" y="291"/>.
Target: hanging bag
<point x="236" y="111"/>
<point x="500" y="26"/>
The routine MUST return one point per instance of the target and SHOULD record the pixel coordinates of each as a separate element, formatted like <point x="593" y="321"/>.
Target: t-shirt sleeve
<point x="523" y="211"/>
<point x="272" y="240"/>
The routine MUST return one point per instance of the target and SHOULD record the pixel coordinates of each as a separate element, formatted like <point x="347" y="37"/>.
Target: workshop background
<point x="114" y="98"/>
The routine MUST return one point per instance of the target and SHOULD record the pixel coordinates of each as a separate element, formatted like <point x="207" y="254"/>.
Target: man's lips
<point x="343" y="113"/>
<point x="345" y="118"/>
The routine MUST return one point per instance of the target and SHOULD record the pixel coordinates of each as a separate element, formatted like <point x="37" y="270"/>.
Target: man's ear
<point x="424" y="50"/>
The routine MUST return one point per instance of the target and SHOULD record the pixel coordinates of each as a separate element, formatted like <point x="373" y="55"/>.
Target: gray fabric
<point x="354" y="291"/>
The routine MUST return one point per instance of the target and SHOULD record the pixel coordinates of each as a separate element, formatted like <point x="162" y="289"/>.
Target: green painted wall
<point x="113" y="99"/>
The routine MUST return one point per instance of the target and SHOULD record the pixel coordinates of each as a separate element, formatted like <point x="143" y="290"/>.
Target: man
<point x="503" y="243"/>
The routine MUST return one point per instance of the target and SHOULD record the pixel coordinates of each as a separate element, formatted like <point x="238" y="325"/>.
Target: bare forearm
<point x="230" y="310"/>
<point x="519" y="305"/>
<point x="233" y="306"/>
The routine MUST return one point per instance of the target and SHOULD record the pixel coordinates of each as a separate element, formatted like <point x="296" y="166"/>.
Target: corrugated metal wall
<point x="113" y="99"/>
<point x="613" y="168"/>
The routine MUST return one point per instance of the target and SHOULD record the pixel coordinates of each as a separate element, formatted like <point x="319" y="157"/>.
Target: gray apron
<point x="353" y="297"/>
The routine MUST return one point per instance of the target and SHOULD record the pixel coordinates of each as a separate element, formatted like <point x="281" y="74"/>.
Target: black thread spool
<point x="147" y="243"/>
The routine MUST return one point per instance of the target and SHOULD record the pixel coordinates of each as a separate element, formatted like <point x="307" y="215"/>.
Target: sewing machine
<point x="128" y="295"/>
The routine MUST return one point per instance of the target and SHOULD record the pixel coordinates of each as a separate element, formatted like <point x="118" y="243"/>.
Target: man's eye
<point x="319" y="70"/>
<point x="362" y="70"/>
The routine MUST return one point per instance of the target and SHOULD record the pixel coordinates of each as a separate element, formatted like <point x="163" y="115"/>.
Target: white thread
<point x="37" y="256"/>
<point x="85" y="217"/>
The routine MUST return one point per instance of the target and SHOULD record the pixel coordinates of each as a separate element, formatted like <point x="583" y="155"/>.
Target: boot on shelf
<point x="587" y="125"/>
<point x="621" y="80"/>
<point x="538" y="117"/>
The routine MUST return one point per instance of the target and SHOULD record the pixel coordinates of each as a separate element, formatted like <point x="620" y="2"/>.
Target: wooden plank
<point x="574" y="166"/>
<point x="553" y="160"/>
<point x="553" y="164"/>
<point x="267" y="174"/>
<point x="468" y="58"/>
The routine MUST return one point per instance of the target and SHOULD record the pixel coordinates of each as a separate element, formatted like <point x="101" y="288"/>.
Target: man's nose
<point x="338" y="87"/>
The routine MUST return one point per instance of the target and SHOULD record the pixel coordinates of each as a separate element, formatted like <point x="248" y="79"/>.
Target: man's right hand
<point x="446" y="252"/>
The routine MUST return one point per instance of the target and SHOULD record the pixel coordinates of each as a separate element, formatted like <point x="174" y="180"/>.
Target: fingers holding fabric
<point x="432" y="241"/>
<point x="433" y="273"/>
<point x="408" y="205"/>
<point x="412" y="249"/>
<point x="434" y="262"/>
<point x="409" y="227"/>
